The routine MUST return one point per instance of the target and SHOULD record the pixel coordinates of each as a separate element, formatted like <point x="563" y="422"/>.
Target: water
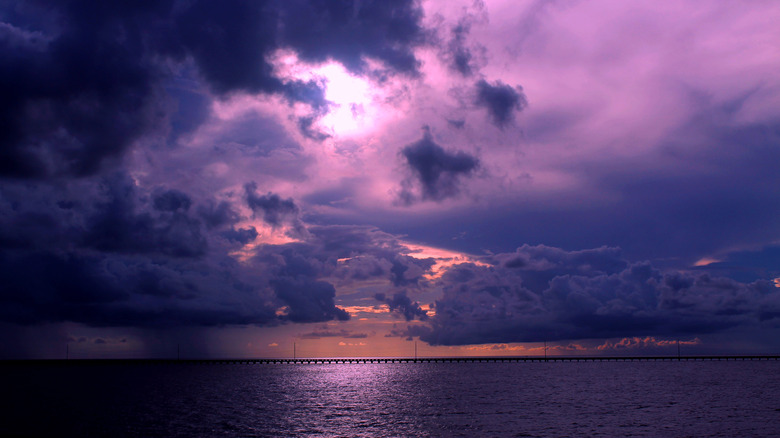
<point x="675" y="399"/>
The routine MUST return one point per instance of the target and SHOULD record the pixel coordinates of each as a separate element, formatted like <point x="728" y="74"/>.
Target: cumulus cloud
<point x="217" y="214"/>
<point x="68" y="106"/>
<point x="113" y="291"/>
<point x="171" y="200"/>
<point x="116" y="254"/>
<point x="500" y="100"/>
<point x="271" y="207"/>
<point x="402" y="304"/>
<point x="353" y="32"/>
<point x="435" y="171"/>
<point x="241" y="235"/>
<point x="117" y="225"/>
<point x="308" y="300"/>
<point x="82" y="89"/>
<point x="558" y="295"/>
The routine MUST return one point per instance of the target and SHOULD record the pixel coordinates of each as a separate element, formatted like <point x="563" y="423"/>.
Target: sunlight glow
<point x="353" y="101"/>
<point x="706" y="261"/>
<point x="352" y="110"/>
<point x="266" y="235"/>
<point x="444" y="258"/>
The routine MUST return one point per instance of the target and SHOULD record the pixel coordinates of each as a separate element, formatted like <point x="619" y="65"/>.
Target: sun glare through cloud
<point x="443" y="258"/>
<point x="353" y="109"/>
<point x="353" y="103"/>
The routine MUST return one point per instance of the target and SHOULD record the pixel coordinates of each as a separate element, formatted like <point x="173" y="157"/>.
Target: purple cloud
<point x="436" y="170"/>
<point x="203" y="165"/>
<point x="559" y="295"/>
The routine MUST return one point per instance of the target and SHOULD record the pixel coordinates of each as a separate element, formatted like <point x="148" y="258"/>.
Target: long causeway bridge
<point x="389" y="360"/>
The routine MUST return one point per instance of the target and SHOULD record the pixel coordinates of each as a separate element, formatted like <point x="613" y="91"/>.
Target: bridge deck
<point x="389" y="360"/>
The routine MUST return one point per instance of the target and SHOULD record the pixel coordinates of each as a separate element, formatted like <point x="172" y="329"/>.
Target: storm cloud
<point x="500" y="100"/>
<point x="402" y="304"/>
<point x="271" y="207"/>
<point x="436" y="171"/>
<point x="195" y="167"/>
<point x="559" y="295"/>
<point x="83" y="83"/>
<point x="116" y="256"/>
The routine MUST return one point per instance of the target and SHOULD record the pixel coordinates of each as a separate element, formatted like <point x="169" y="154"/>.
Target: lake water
<point x="610" y="399"/>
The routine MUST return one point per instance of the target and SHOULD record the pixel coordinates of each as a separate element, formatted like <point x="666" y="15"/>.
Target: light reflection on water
<point x="376" y="400"/>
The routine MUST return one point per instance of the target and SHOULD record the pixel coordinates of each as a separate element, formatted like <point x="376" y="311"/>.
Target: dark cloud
<point x="462" y="56"/>
<point x="114" y="291"/>
<point x="82" y="83"/>
<point x="271" y="207"/>
<point x="105" y="252"/>
<point x="557" y="295"/>
<point x="308" y="301"/>
<point x="409" y="271"/>
<point x="241" y="235"/>
<point x="228" y="42"/>
<point x="500" y="100"/>
<point x="103" y="214"/>
<point x="172" y="200"/>
<point x="281" y="284"/>
<point x="409" y="332"/>
<point x="119" y="225"/>
<point x="366" y="252"/>
<point x="217" y="214"/>
<point x="352" y="31"/>
<point x="402" y="304"/>
<point x="435" y="170"/>
<point x="347" y="253"/>
<point x="77" y="94"/>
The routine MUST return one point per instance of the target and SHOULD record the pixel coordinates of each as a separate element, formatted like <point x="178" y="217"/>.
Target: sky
<point x="362" y="178"/>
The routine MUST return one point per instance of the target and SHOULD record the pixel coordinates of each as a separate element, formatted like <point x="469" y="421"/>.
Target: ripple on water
<point x="717" y="399"/>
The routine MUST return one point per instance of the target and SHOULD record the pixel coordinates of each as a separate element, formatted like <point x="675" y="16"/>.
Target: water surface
<point x="675" y="399"/>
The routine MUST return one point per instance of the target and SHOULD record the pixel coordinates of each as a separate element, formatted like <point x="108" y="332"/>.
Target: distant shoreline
<point x="389" y="360"/>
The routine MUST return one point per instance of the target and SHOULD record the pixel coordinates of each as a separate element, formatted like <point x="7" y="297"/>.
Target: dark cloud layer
<point x="500" y="100"/>
<point x="351" y="31"/>
<point x="118" y="226"/>
<point x="542" y="293"/>
<point x="436" y="171"/>
<point x="80" y="95"/>
<point x="271" y="207"/>
<point x="241" y="235"/>
<point x="82" y="83"/>
<point x="106" y="253"/>
<point x="106" y="219"/>
<point x="402" y="304"/>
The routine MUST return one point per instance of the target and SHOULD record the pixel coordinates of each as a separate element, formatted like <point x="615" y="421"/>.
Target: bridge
<point x="389" y="360"/>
